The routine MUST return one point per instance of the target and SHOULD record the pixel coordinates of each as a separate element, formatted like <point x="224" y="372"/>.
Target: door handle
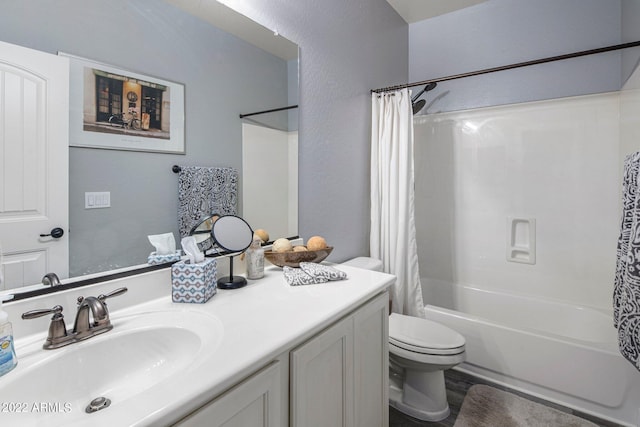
<point x="56" y="233"/>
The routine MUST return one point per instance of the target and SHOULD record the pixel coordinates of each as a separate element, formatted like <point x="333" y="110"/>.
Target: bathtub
<point x="550" y="349"/>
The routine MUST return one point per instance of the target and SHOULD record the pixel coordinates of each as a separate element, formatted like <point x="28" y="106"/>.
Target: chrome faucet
<point x="92" y="318"/>
<point x="51" y="279"/>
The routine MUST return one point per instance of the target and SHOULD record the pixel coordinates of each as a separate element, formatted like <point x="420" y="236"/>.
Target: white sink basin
<point x="141" y="352"/>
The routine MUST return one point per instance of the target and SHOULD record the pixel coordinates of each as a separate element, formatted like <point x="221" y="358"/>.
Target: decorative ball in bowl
<point x="294" y="258"/>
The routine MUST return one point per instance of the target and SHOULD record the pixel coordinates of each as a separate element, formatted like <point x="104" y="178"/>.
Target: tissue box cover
<point x="193" y="283"/>
<point x="154" y="259"/>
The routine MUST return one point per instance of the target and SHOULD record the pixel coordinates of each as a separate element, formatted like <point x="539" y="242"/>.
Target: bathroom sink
<point x="141" y="352"/>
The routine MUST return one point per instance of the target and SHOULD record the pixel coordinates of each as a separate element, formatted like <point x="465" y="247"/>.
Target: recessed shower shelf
<point x="521" y="240"/>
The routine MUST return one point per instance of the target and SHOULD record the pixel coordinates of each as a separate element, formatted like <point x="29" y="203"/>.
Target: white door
<point x="34" y="164"/>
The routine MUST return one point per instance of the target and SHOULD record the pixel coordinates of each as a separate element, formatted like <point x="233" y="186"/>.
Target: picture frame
<point x="116" y="109"/>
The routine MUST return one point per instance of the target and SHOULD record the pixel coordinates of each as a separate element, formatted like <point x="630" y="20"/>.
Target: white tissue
<point x="190" y="247"/>
<point x="165" y="244"/>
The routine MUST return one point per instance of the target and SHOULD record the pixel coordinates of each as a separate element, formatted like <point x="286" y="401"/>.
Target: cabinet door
<point x="371" y="354"/>
<point x="254" y="402"/>
<point x="322" y="379"/>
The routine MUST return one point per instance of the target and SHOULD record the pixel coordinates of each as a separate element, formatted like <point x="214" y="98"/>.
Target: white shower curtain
<point x="393" y="230"/>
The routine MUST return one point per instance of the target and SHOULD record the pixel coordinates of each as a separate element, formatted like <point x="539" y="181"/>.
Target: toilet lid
<point x="423" y="336"/>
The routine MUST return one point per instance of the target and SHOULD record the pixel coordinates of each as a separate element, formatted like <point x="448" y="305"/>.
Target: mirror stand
<point x="231" y="282"/>
<point x="234" y="234"/>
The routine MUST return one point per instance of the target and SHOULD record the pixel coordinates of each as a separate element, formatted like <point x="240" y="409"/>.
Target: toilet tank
<point x="366" y="263"/>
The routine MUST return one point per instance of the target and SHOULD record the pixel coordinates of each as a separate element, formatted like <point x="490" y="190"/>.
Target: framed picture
<point x="116" y="109"/>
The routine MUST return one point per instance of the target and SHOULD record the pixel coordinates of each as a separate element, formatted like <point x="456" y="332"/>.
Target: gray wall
<point x="223" y="76"/>
<point x="346" y="49"/>
<point x="501" y="32"/>
<point x="630" y="33"/>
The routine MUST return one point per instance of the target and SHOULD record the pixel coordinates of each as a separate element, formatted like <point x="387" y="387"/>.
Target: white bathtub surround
<point x="544" y="328"/>
<point x="555" y="161"/>
<point x="393" y="233"/>
<point x="278" y="149"/>
<point x="626" y="292"/>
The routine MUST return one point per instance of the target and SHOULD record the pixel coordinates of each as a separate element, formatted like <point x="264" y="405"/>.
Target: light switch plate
<point x="97" y="199"/>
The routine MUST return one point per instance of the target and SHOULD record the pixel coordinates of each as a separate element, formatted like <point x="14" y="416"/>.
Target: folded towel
<point x="311" y="273"/>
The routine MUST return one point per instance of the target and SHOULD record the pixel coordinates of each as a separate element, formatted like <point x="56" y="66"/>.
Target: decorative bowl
<point x="293" y="259"/>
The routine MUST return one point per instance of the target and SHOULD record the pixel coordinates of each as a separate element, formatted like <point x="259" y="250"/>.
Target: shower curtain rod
<point x="268" y="111"/>
<point x="512" y="66"/>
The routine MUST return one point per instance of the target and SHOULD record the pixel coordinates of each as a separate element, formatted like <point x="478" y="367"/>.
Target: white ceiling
<point x="239" y="25"/>
<point x="419" y="10"/>
<point x="232" y="22"/>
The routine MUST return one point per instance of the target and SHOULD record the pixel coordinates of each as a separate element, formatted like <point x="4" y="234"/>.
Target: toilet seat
<point x="423" y="336"/>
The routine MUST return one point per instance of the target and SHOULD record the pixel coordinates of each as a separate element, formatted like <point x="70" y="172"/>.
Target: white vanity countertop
<point x="254" y="325"/>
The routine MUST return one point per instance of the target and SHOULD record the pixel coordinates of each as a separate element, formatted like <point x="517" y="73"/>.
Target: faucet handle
<point x="115" y="293"/>
<point x="57" y="336"/>
<point x="56" y="311"/>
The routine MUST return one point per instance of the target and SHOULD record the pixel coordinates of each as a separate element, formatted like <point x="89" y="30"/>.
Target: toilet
<point x="419" y="352"/>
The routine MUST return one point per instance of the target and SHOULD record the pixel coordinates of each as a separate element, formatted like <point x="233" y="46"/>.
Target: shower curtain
<point x="626" y="292"/>
<point x="393" y="231"/>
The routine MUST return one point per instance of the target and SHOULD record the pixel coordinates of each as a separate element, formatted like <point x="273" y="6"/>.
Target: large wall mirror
<point x="228" y="66"/>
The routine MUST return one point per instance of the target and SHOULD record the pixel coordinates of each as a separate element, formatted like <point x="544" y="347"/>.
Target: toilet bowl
<point x="419" y="352"/>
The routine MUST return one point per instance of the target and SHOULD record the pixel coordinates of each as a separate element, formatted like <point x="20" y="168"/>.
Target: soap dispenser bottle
<point x="255" y="259"/>
<point x="8" y="359"/>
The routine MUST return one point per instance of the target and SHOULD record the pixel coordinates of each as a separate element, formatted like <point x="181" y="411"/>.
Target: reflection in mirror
<point x="233" y="234"/>
<point x="270" y="170"/>
<point x="202" y="231"/>
<point x="223" y="75"/>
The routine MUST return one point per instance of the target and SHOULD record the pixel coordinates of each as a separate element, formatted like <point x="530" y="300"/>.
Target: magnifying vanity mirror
<point x="202" y="232"/>
<point x="202" y="46"/>
<point x="235" y="235"/>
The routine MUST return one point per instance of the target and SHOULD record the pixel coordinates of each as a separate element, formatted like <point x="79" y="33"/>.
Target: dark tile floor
<point x="457" y="385"/>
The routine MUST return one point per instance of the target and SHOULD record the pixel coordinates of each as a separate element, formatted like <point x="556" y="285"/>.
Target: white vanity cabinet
<point x="267" y="354"/>
<point x="339" y="377"/>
